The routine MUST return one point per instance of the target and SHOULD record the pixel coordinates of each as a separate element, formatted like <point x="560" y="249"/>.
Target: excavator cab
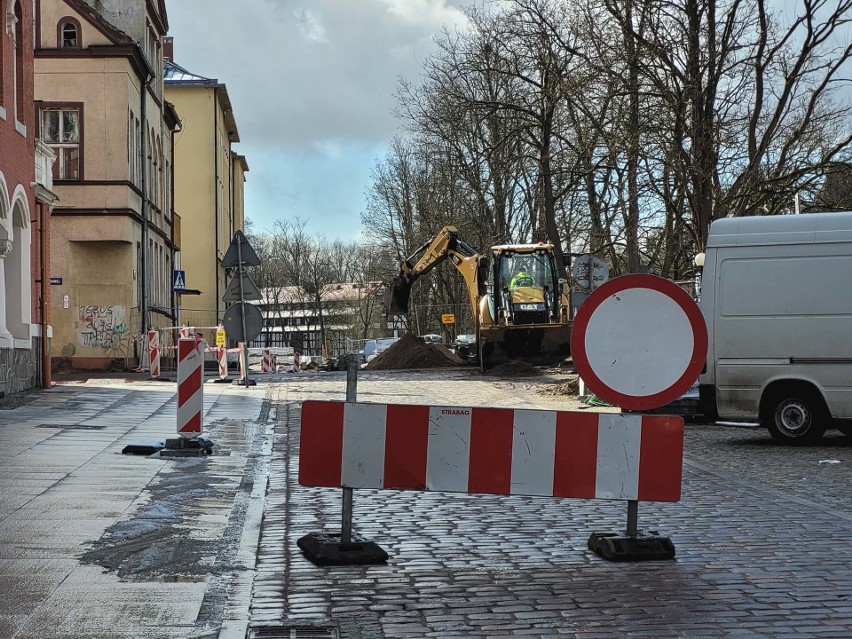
<point x="527" y="282"/>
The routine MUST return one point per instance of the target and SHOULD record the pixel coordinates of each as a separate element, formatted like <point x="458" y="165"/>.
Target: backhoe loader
<point x="516" y="297"/>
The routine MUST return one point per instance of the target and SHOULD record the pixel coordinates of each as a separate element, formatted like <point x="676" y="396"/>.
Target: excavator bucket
<point x="396" y="296"/>
<point x="541" y="344"/>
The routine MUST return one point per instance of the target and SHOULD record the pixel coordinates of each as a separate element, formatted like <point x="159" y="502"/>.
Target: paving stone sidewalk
<point x="101" y="545"/>
<point x="750" y="562"/>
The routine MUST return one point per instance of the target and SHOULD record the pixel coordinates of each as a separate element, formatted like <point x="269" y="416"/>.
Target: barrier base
<point x="143" y="448"/>
<point x="223" y="380"/>
<point x="325" y="549"/>
<point x="161" y="379"/>
<point x="242" y="382"/>
<point x="641" y="547"/>
<point x="183" y="447"/>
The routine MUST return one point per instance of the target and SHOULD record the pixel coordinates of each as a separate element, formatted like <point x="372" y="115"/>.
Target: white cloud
<point x="306" y="73"/>
<point x="310" y="25"/>
<point x="312" y="84"/>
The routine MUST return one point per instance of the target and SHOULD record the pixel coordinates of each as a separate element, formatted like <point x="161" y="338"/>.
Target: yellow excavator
<point x="519" y="308"/>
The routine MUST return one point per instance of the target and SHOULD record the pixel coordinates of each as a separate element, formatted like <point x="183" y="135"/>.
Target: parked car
<point x="465" y="347"/>
<point x="431" y="338"/>
<point x="361" y="354"/>
<point x="381" y="345"/>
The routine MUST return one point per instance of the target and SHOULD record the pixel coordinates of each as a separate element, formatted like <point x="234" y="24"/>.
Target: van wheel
<point x="796" y="417"/>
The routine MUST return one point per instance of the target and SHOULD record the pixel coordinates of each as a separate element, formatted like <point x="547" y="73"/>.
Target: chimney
<point x="169" y="48"/>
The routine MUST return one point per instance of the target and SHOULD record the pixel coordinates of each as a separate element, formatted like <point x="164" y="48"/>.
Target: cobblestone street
<point x="99" y="545"/>
<point x="762" y="537"/>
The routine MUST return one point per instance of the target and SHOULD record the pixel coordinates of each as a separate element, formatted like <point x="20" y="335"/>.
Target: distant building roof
<point x="175" y="75"/>
<point x="173" y="72"/>
<point x="338" y="292"/>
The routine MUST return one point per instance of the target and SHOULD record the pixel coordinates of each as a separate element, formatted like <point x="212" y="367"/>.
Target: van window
<point x="785" y="286"/>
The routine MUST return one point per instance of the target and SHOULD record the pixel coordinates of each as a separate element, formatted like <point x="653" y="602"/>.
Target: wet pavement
<point x="97" y="544"/>
<point x="94" y="543"/>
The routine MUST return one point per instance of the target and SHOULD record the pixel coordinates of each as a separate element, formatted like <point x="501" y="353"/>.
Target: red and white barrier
<point x="222" y="358"/>
<point x="190" y="388"/>
<point x="154" y="353"/>
<point x="266" y="362"/>
<point x="243" y="354"/>
<point x="186" y="331"/>
<point x="296" y="365"/>
<point x="491" y="450"/>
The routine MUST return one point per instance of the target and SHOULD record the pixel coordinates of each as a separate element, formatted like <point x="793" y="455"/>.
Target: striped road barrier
<point x="190" y="388"/>
<point x="584" y="455"/>
<point x="154" y="353"/>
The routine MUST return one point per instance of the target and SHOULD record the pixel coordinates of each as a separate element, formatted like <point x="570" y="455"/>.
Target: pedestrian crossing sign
<point x="179" y="280"/>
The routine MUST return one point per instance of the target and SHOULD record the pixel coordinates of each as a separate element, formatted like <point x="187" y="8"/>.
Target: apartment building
<point x="211" y="176"/>
<point x="101" y="109"/>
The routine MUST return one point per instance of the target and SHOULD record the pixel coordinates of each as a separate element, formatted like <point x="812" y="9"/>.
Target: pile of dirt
<point x="410" y="352"/>
<point x="571" y="387"/>
<point x="514" y="368"/>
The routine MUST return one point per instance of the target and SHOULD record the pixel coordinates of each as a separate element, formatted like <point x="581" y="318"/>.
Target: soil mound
<point x="410" y="352"/>
<point x="571" y="387"/>
<point x="514" y="368"/>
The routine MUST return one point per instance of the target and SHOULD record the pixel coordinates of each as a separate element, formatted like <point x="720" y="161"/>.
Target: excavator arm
<point x="445" y="245"/>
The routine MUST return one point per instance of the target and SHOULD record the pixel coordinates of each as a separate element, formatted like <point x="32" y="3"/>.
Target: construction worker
<point x="522" y="278"/>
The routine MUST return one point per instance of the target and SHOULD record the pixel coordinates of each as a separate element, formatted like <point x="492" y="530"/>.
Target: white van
<point x="776" y="295"/>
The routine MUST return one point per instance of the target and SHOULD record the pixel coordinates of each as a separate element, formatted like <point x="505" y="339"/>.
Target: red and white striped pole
<point x="242" y="355"/>
<point x="223" y="362"/>
<point x="154" y="353"/>
<point x="266" y="361"/>
<point x="190" y="372"/>
<point x="296" y="367"/>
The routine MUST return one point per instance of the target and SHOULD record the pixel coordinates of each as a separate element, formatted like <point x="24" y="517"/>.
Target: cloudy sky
<point x="312" y="84"/>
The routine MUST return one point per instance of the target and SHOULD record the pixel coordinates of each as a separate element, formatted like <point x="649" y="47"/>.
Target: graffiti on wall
<point x="102" y="327"/>
<point x="18" y="370"/>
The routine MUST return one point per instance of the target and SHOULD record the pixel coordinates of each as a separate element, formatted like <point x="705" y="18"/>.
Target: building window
<point x="60" y="130"/>
<point x="69" y="34"/>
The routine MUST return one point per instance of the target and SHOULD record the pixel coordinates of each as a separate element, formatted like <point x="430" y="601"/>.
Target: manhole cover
<point x="292" y="632"/>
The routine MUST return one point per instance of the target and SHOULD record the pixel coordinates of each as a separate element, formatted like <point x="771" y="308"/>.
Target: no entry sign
<point x="639" y="341"/>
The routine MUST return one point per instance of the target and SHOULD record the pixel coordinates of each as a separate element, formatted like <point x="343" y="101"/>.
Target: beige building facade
<point x="210" y="177"/>
<point x="99" y="95"/>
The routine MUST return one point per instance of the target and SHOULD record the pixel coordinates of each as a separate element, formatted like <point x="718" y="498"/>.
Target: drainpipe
<point x="143" y="153"/>
<point x="216" y="195"/>
<point x="231" y="219"/>
<point x="46" y="381"/>
<point x="171" y="178"/>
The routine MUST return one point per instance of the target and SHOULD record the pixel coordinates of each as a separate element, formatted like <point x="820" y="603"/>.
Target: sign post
<point x="589" y="272"/>
<point x="240" y="254"/>
<point x="639" y="342"/>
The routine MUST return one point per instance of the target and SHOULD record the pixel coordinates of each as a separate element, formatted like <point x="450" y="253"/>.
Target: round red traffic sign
<point x="639" y="341"/>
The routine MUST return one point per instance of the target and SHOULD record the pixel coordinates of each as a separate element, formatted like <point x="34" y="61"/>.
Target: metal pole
<point x="351" y="396"/>
<point x="243" y="308"/>
<point x="632" y="518"/>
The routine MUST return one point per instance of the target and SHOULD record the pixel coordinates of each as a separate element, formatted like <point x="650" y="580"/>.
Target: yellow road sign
<point x="220" y="337"/>
<point x="448" y="318"/>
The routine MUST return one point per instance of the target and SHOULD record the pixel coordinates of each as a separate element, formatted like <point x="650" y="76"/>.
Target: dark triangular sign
<point x="232" y="290"/>
<point x="240" y="248"/>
